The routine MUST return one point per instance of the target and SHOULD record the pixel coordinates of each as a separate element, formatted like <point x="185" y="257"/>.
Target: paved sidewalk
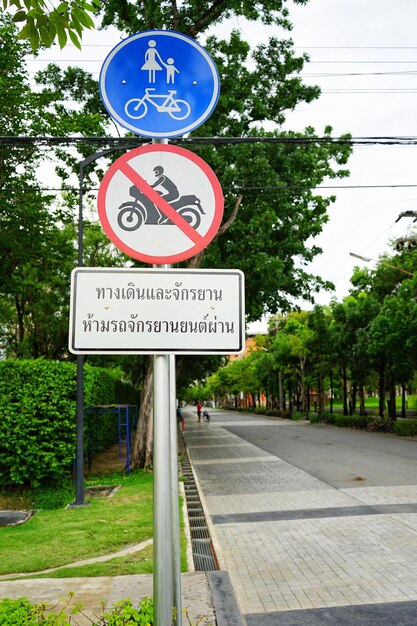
<point x="299" y="551"/>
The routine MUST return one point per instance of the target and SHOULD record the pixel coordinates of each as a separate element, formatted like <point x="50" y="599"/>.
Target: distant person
<point x="198" y="412"/>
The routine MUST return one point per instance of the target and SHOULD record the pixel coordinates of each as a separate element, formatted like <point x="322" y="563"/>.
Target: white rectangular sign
<point x="154" y="311"/>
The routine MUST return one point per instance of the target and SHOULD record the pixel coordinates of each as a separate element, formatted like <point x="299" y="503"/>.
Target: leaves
<point x="38" y="402"/>
<point x="43" y="25"/>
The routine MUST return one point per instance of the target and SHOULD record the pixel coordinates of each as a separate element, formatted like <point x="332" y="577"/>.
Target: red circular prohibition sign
<point x="191" y="240"/>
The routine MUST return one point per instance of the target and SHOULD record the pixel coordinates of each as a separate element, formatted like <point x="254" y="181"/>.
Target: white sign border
<point x="175" y="273"/>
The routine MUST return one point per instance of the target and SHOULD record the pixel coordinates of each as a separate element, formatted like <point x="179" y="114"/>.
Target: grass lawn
<point x="57" y="537"/>
<point x="138" y="563"/>
<point x="373" y="403"/>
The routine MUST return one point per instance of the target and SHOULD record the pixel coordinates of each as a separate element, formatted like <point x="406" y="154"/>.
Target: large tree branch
<point x="175" y="17"/>
<point x="231" y="219"/>
<point x="196" y="260"/>
<point x="212" y="13"/>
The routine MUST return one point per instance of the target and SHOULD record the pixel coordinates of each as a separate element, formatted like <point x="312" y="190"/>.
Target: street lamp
<point x="367" y="260"/>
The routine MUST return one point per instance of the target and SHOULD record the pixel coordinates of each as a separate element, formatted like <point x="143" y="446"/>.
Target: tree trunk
<point x="331" y="392"/>
<point x="392" y="408"/>
<point x="321" y="395"/>
<point x="345" y="393"/>
<point x="354" y="395"/>
<point x="142" y="445"/>
<point x="280" y="393"/>
<point x="381" y="389"/>
<point x="403" y="400"/>
<point x="361" y="400"/>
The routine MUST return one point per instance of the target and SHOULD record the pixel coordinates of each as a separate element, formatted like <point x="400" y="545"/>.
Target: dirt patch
<point x="102" y="491"/>
<point x="107" y="462"/>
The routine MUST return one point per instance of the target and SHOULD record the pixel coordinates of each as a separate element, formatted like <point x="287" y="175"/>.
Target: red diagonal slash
<point x="166" y="208"/>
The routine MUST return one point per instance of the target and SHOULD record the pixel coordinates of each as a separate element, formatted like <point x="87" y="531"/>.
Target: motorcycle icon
<point x="142" y="210"/>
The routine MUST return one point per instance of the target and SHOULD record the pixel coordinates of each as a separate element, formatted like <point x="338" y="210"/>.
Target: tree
<point x="390" y="326"/>
<point x="291" y="349"/>
<point x="392" y="341"/>
<point x="38" y="232"/>
<point x="320" y="346"/>
<point x="271" y="210"/>
<point x="33" y="249"/>
<point x="351" y="320"/>
<point x="43" y="24"/>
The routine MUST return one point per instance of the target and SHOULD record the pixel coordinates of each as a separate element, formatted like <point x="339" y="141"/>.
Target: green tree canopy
<point x="43" y="23"/>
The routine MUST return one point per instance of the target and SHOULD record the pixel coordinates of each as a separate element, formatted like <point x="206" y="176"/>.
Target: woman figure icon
<point x="151" y="61"/>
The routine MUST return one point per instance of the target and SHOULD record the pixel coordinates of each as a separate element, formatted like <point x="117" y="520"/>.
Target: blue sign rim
<point x="146" y="133"/>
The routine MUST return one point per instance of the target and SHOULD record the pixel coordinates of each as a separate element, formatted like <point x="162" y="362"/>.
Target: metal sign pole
<point x="176" y="557"/>
<point x="162" y="544"/>
<point x="163" y="583"/>
<point x="194" y="69"/>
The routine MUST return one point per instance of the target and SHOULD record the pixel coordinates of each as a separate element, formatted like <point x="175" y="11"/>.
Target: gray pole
<point x="163" y="584"/>
<point x="79" y="438"/>
<point x="176" y="556"/>
<point x="162" y="543"/>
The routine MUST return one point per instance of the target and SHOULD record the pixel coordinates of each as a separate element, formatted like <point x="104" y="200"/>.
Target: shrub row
<point x="38" y="417"/>
<point x="403" y="428"/>
<point x="406" y="428"/>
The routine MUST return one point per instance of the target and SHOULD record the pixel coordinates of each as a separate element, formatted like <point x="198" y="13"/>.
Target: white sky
<point x="378" y="40"/>
<point x="380" y="37"/>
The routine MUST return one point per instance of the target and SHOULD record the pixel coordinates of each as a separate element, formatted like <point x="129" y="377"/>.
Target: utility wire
<point x="233" y="188"/>
<point x="135" y="141"/>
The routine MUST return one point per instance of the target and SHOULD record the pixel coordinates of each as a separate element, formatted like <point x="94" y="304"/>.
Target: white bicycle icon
<point x="178" y="109"/>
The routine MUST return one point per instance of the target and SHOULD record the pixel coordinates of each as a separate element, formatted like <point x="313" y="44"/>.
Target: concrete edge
<point x="226" y="607"/>
<point x="210" y="525"/>
<point x="187" y="532"/>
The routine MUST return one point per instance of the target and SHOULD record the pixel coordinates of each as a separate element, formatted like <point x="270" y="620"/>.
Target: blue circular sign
<point x="159" y="83"/>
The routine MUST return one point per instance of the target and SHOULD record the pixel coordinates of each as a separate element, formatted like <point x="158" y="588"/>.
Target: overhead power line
<point x="135" y="141"/>
<point x="235" y="188"/>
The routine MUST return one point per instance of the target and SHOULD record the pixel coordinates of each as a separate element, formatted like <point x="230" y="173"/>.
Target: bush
<point x="327" y="418"/>
<point x="352" y="421"/>
<point x="405" y="428"/>
<point x="124" y="612"/>
<point x="38" y="409"/>
<point x="22" y="612"/>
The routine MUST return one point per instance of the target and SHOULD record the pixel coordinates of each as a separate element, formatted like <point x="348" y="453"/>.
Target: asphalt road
<point x="340" y="457"/>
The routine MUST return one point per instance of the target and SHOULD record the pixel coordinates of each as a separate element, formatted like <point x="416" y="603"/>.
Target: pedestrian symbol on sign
<point x="159" y="83"/>
<point x="153" y="63"/>
<point x="177" y="108"/>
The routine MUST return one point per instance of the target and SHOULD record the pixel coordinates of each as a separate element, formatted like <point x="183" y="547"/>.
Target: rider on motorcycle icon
<point x="143" y="211"/>
<point x="168" y="189"/>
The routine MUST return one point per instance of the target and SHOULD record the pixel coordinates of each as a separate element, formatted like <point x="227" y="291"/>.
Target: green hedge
<point x="405" y="428"/>
<point x="38" y="417"/>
